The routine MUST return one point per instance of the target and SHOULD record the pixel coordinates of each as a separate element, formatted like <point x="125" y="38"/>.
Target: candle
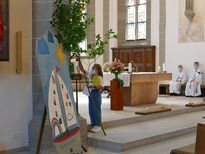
<point x="159" y="68"/>
<point x="164" y="67"/>
<point x="130" y="67"/>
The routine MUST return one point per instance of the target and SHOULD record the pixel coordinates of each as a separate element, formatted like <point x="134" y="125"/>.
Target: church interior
<point x="102" y="76"/>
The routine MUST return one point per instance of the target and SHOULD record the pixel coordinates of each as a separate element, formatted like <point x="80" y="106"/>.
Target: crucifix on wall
<point x="189" y="12"/>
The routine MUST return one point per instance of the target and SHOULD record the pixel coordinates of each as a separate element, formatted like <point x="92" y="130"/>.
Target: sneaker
<point x="95" y="129"/>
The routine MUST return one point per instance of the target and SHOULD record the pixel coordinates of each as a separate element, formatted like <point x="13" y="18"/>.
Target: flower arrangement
<point x="116" y="68"/>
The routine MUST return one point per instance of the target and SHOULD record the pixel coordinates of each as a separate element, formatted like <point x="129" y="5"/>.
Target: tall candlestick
<point x="130" y="67"/>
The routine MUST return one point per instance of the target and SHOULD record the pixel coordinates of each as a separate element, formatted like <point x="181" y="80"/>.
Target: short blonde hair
<point x="196" y="62"/>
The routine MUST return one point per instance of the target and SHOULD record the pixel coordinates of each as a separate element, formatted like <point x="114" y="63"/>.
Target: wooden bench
<point x="166" y="86"/>
<point x="197" y="148"/>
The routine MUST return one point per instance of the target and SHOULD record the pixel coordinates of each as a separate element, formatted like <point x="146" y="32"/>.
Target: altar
<point x="140" y="88"/>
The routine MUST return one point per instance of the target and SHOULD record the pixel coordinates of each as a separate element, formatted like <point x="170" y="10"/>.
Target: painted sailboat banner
<point x="58" y="95"/>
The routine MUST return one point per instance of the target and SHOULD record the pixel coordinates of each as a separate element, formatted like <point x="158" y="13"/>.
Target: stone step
<point x="134" y="135"/>
<point x="139" y="118"/>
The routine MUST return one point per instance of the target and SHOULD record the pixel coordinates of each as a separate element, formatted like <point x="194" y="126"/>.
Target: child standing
<point x="95" y="98"/>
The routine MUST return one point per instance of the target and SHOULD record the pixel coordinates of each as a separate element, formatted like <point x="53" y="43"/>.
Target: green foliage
<point x="71" y="68"/>
<point x="120" y="82"/>
<point x="71" y="23"/>
<point x="97" y="48"/>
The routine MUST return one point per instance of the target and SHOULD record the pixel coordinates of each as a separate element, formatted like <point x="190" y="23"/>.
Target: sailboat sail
<point x="59" y="121"/>
<point x="55" y="114"/>
<point x="68" y="105"/>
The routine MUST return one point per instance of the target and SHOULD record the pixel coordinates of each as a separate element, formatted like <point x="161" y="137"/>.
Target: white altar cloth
<point x="107" y="77"/>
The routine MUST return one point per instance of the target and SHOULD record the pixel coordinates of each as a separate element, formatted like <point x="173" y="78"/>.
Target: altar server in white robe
<point x="193" y="86"/>
<point x="180" y="78"/>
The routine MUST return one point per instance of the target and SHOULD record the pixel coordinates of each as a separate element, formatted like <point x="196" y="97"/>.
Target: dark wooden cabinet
<point x="141" y="57"/>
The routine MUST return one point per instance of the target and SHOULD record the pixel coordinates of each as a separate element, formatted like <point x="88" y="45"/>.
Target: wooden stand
<point x="116" y="96"/>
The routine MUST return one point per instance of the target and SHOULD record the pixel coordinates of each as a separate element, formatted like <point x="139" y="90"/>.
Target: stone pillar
<point x="99" y="24"/>
<point x="91" y="29"/>
<point x="106" y="12"/>
<point x="42" y="11"/>
<point x="113" y="24"/>
<point x="162" y="31"/>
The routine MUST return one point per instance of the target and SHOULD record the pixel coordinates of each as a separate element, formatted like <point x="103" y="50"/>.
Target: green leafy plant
<point x="70" y="25"/>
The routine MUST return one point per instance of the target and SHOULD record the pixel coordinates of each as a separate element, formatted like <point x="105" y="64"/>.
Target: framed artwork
<point x="4" y="30"/>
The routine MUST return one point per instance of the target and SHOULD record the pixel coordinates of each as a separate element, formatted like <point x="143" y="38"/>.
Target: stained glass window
<point x="136" y="19"/>
<point x="131" y="14"/>
<point x="131" y="32"/>
<point x="131" y="2"/>
<point x="142" y="13"/>
<point x="142" y="30"/>
<point x="142" y="17"/>
<point x="141" y="2"/>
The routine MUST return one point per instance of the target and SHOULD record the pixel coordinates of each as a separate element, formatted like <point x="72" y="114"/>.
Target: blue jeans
<point x="96" y="96"/>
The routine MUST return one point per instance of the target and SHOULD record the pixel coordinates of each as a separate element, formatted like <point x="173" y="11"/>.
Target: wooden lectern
<point x="116" y="96"/>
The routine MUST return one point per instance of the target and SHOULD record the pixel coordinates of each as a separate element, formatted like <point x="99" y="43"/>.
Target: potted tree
<point x="70" y="24"/>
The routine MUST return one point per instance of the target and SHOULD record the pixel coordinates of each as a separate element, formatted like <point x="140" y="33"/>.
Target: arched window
<point x="136" y="20"/>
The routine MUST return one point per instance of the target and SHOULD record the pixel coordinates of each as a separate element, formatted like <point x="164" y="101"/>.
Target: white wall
<point x="16" y="89"/>
<point x="185" y="53"/>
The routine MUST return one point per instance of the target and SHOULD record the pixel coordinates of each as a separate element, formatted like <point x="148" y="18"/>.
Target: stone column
<point x="106" y="12"/>
<point x="91" y="29"/>
<point x="113" y="24"/>
<point x="99" y="23"/>
<point x="162" y="31"/>
<point x="42" y="11"/>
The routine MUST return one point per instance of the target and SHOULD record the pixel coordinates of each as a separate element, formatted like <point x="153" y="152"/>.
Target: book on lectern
<point x="58" y="95"/>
